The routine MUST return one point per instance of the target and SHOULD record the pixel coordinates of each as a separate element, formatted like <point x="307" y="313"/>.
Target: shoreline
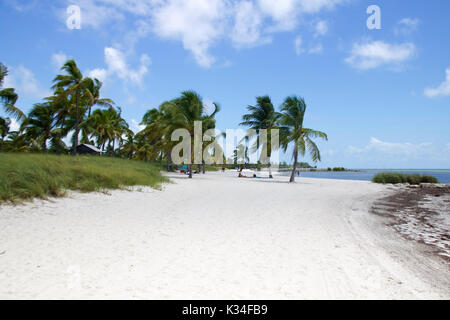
<point x="217" y="237"/>
<point x="420" y="214"/>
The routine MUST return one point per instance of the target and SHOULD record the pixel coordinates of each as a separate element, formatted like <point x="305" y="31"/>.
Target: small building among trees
<point x="88" y="149"/>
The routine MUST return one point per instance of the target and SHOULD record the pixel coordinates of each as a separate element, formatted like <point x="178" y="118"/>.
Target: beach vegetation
<point x="77" y="113"/>
<point x="398" y="178"/>
<point x="28" y="176"/>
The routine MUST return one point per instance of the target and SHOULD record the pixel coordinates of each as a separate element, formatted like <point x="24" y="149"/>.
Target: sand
<point x="215" y="237"/>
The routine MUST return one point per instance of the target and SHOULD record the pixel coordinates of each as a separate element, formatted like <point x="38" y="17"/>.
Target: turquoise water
<point x="366" y="175"/>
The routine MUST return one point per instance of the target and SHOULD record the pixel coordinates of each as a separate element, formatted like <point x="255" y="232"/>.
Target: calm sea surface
<point x="366" y="175"/>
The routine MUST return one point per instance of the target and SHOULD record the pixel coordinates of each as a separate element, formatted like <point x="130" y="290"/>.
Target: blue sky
<point x="383" y="96"/>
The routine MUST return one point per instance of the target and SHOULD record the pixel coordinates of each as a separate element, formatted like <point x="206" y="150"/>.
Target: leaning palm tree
<point x="99" y="124"/>
<point x="72" y="84"/>
<point x="129" y="147"/>
<point x="262" y="116"/>
<point x="185" y="111"/>
<point x="119" y="126"/>
<point x="40" y="124"/>
<point x="292" y="131"/>
<point x="8" y="96"/>
<point x="92" y="95"/>
<point x="158" y="131"/>
<point x="106" y="126"/>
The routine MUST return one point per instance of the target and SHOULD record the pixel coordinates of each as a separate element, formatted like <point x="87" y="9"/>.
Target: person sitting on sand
<point x="242" y="176"/>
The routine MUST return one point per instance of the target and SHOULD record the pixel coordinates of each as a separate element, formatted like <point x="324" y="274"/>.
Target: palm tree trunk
<point x="270" y="166"/>
<point x="169" y="162"/>
<point x="204" y="166"/>
<point x="44" y="145"/>
<point x="77" y="129"/>
<point x="295" y="164"/>
<point x="192" y="158"/>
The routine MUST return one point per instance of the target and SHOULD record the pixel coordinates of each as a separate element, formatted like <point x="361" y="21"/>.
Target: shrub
<point x="396" y="178"/>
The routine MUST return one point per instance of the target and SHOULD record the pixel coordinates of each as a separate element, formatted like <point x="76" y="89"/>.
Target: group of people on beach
<point x="240" y="173"/>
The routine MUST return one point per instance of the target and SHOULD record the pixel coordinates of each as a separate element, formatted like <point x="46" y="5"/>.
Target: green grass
<point x="396" y="178"/>
<point x="28" y="176"/>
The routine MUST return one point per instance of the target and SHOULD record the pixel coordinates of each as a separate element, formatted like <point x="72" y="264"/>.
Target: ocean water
<point x="366" y="175"/>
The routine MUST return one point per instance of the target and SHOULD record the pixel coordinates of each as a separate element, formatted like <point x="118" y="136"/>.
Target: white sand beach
<point x="215" y="237"/>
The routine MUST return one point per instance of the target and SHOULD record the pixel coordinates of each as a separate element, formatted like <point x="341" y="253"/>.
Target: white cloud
<point x="136" y="126"/>
<point x="100" y="74"/>
<point x="283" y="13"/>
<point x="117" y="65"/>
<point x="299" y="49"/>
<point x="25" y="83"/>
<point x="298" y="45"/>
<point x="316" y="49"/>
<point x="21" y="5"/>
<point x="247" y="26"/>
<point x="96" y="13"/>
<point x="196" y="23"/>
<point x="371" y="55"/>
<point x="209" y="106"/>
<point x="14" y="126"/>
<point x="406" y="26"/>
<point x="383" y="154"/>
<point x="321" y="28"/>
<point x="200" y="24"/>
<point x="442" y="90"/>
<point x="314" y="6"/>
<point x="58" y="60"/>
<point x="393" y="148"/>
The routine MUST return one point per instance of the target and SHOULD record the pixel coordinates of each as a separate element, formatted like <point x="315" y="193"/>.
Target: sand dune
<point x="215" y="237"/>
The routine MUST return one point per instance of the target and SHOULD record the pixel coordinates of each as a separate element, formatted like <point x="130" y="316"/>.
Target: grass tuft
<point x="28" y="176"/>
<point x="397" y="178"/>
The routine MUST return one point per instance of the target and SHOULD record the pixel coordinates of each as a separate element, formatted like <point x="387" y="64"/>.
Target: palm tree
<point x="93" y="95"/>
<point x="4" y="130"/>
<point x="119" y="126"/>
<point x="40" y="124"/>
<point x="99" y="124"/>
<point x="8" y="96"/>
<point x="262" y="116"/>
<point x="185" y="111"/>
<point x="17" y="142"/>
<point x="292" y="131"/>
<point x="72" y="84"/>
<point x="158" y="131"/>
<point x="130" y="147"/>
<point x="106" y="126"/>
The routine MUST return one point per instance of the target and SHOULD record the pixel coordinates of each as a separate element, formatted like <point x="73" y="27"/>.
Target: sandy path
<point x="215" y="237"/>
